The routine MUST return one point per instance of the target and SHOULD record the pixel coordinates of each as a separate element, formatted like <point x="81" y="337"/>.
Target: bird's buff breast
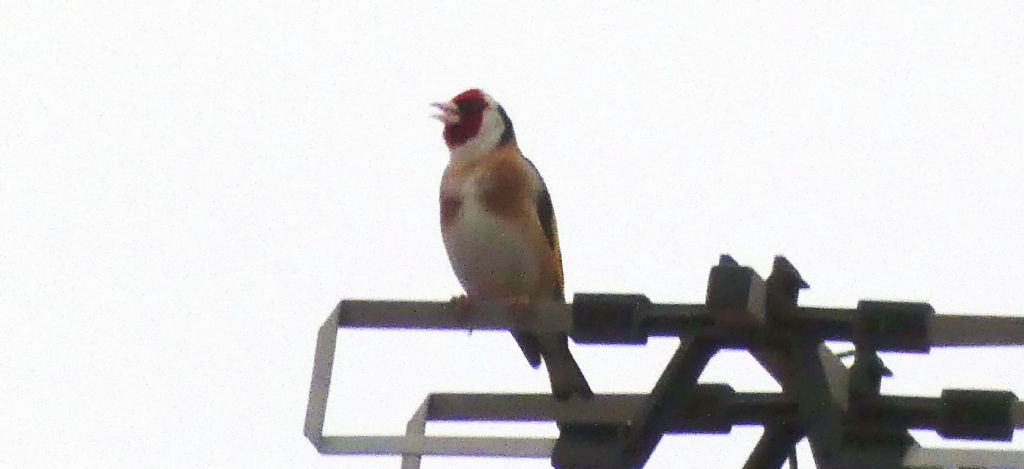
<point x="487" y="253"/>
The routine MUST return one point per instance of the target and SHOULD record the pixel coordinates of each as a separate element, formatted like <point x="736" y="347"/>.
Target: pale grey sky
<point x="187" y="190"/>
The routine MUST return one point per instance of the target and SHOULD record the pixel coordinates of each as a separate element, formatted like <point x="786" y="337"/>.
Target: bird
<point x="499" y="230"/>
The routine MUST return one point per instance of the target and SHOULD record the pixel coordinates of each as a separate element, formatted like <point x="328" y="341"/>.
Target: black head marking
<point x="509" y="134"/>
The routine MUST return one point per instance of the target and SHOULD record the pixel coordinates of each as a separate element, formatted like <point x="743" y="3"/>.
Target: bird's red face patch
<point x="471" y="105"/>
<point x="473" y="94"/>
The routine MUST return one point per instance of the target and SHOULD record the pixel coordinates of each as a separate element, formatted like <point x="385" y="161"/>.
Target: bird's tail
<point x="566" y="377"/>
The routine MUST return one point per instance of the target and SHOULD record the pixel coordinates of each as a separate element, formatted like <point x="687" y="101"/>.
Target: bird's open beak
<point x="449" y="113"/>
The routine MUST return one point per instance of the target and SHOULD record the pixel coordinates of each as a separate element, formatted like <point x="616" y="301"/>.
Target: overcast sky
<point x="188" y="188"/>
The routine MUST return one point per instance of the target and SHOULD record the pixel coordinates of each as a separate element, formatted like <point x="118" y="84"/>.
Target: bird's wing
<point x="546" y="213"/>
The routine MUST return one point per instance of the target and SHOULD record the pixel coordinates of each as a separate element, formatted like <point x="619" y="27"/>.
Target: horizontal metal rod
<point x="744" y="408"/>
<point x="741" y="409"/>
<point x="917" y="457"/>
<point x="436" y="445"/>
<point x="485" y="315"/>
<point x="938" y="458"/>
<point x="964" y="330"/>
<point x="665" y="320"/>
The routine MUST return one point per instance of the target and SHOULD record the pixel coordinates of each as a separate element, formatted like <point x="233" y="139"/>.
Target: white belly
<point x="487" y="254"/>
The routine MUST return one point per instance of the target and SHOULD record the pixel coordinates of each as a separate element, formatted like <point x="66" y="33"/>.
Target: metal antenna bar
<point x="669" y="397"/>
<point x="485" y="315"/>
<point x="384" y="445"/>
<point x="774" y="446"/>
<point x="936" y="458"/>
<point x="706" y="403"/>
<point x="709" y="402"/>
<point x="820" y="416"/>
<point x="736" y="314"/>
<point x="666" y="320"/>
<point x="413" y="444"/>
<point x="956" y="330"/>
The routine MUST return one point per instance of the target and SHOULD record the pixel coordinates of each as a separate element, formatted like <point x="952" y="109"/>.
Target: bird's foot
<point x="519" y="308"/>
<point x="463" y="310"/>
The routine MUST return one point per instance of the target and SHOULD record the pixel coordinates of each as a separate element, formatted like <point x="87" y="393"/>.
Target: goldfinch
<point x="499" y="230"/>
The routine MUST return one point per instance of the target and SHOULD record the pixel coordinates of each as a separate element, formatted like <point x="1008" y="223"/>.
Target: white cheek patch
<point x="485" y="140"/>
